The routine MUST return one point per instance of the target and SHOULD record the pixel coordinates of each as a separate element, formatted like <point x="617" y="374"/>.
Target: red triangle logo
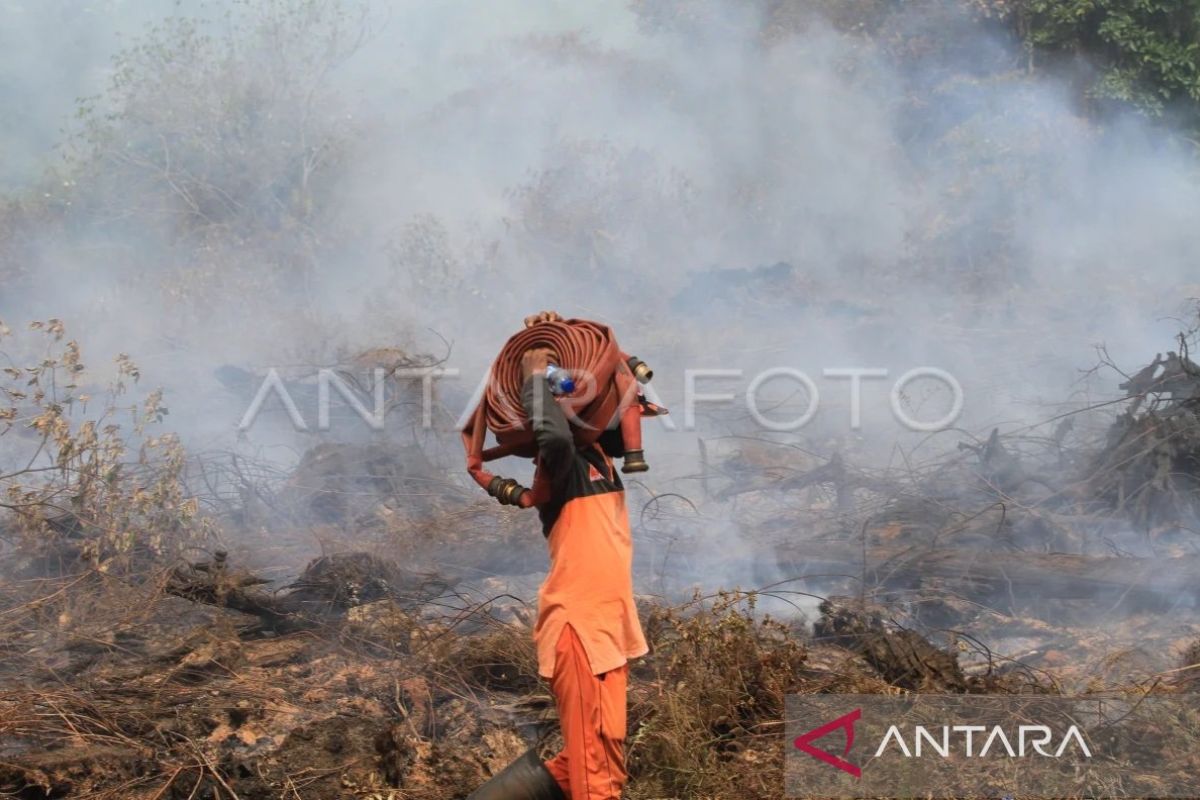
<point x="845" y="722"/>
<point x="594" y="474"/>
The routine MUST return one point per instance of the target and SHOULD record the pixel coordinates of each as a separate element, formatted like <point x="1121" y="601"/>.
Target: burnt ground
<point x="400" y="664"/>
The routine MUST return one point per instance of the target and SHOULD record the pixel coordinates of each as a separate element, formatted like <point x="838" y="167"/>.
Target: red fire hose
<point x="607" y="393"/>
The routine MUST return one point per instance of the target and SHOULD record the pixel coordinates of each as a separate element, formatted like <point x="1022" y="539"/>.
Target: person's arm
<point x="551" y="431"/>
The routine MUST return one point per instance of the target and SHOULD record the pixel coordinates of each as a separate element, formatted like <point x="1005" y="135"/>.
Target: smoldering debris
<point x="1001" y="566"/>
<point x="363" y="676"/>
<point x="1149" y="468"/>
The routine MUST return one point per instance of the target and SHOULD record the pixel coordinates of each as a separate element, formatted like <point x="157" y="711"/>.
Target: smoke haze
<point x="728" y="184"/>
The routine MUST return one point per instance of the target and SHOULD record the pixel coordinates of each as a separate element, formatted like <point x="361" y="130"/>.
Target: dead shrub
<point x="96" y="487"/>
<point x="709" y="701"/>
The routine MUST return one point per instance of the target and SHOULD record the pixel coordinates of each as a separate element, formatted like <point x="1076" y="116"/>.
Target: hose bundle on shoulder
<point x="607" y="395"/>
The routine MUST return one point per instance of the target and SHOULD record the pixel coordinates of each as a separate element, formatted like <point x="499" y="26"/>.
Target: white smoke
<point x="608" y="160"/>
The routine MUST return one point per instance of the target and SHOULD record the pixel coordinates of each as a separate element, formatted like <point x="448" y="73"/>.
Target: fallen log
<point x="1005" y="577"/>
<point x="329" y="586"/>
<point x="835" y="473"/>
<point x="212" y="583"/>
<point x="903" y="658"/>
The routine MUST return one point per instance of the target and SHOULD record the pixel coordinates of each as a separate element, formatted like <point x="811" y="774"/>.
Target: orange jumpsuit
<point x="587" y="624"/>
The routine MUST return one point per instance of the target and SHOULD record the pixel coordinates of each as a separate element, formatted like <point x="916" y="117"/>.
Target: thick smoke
<point x="729" y="185"/>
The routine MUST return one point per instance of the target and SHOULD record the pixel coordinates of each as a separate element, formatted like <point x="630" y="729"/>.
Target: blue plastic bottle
<point x="559" y="379"/>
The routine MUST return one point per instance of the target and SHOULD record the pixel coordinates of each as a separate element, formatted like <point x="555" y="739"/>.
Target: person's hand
<point x="544" y="316"/>
<point x="535" y="360"/>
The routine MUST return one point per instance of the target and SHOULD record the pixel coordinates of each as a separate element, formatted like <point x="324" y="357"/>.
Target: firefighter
<point x="587" y="627"/>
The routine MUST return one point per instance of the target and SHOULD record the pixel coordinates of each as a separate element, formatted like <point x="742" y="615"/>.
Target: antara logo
<point x="844" y="722"/>
<point x="1030" y="740"/>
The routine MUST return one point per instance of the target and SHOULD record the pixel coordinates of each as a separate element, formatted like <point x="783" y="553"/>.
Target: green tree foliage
<point x="1146" y="52"/>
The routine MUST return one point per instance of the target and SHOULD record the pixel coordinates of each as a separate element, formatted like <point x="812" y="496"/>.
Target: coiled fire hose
<point x="607" y="394"/>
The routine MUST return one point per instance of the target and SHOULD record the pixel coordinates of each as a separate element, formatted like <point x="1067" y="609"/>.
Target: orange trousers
<point x="591" y="710"/>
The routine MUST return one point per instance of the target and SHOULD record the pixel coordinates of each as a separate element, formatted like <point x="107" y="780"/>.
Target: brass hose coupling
<point x="506" y="490"/>
<point x="635" y="461"/>
<point x="640" y="369"/>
